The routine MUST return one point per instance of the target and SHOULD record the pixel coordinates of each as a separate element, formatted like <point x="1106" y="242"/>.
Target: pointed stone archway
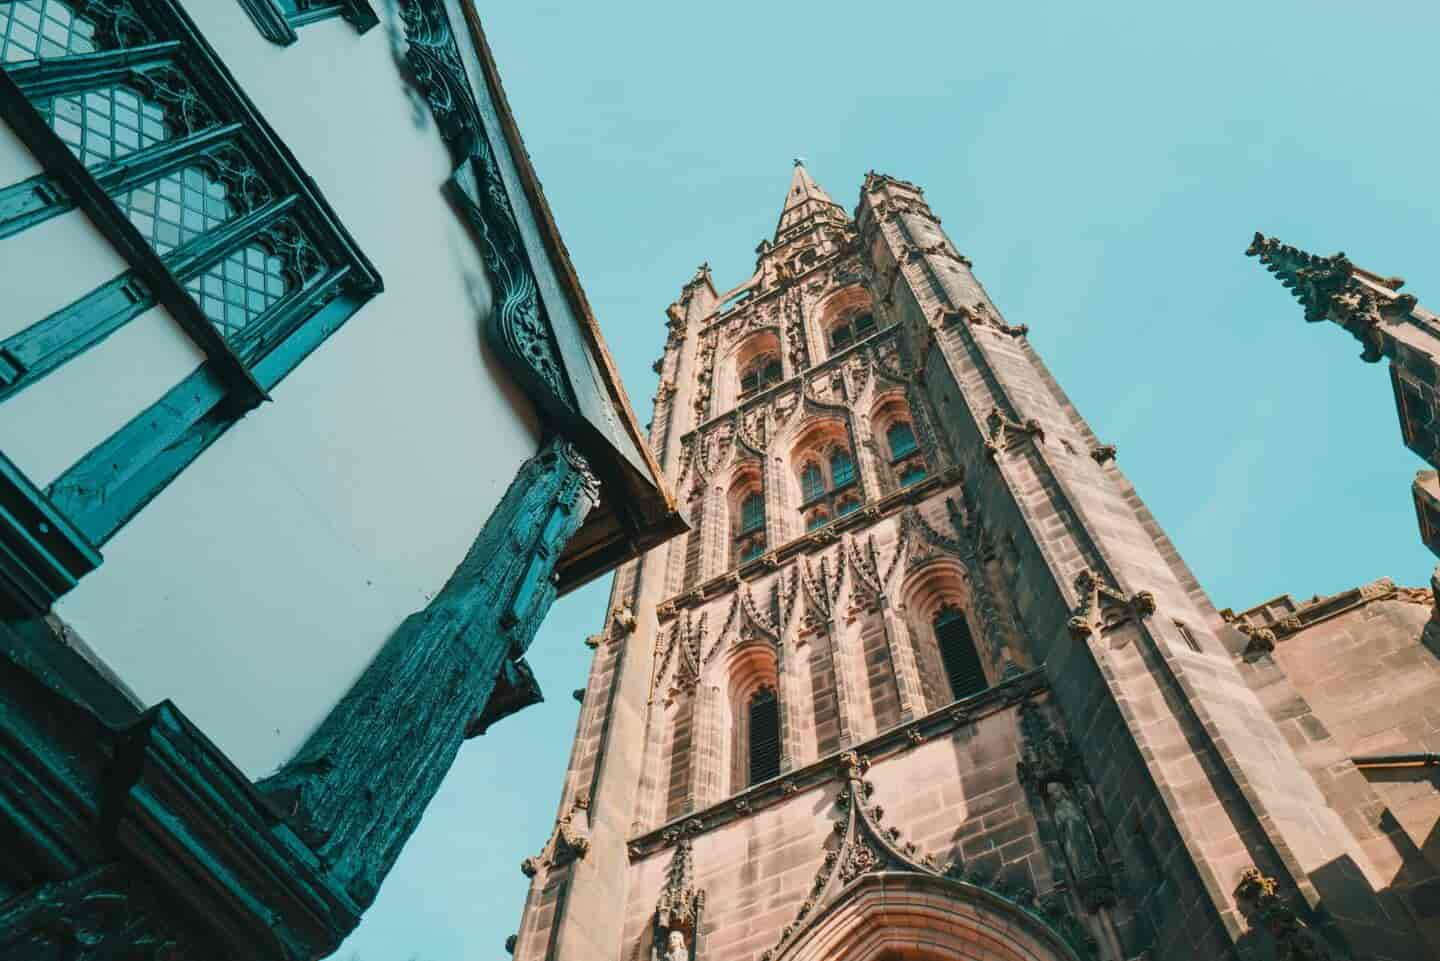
<point x="903" y="916"/>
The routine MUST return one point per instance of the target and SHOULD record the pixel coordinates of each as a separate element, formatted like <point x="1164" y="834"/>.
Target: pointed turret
<point x="806" y="202"/>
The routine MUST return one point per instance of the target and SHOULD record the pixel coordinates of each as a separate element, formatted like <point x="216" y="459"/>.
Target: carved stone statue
<point x="1074" y="830"/>
<point x="675" y="947"/>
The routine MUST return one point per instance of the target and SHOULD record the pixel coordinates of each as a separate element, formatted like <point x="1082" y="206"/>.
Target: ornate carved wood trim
<point x="357" y="788"/>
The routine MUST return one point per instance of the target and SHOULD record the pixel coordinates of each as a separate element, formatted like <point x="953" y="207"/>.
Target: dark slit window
<point x="957" y="651"/>
<point x="764" y="736"/>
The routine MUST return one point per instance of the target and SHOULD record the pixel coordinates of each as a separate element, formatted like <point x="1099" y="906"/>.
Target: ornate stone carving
<point x="979" y="314"/>
<point x="1264" y="910"/>
<point x="1328" y="289"/>
<point x="1262" y="641"/>
<point x="1103" y="454"/>
<point x="1003" y="432"/>
<point x="678" y="910"/>
<point x="1055" y="783"/>
<point x="1102" y="607"/>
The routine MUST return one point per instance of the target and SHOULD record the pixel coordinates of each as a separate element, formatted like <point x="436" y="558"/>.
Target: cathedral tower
<point x="925" y="679"/>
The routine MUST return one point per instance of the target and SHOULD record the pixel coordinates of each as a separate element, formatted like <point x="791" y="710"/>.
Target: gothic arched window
<point x="847" y="332"/>
<point x="827" y="476"/>
<point x="812" y="483"/>
<point x="901" y="438"/>
<point x="750" y="532"/>
<point x="842" y="469"/>
<point x="958" y="653"/>
<point x="752" y="513"/>
<point x="762" y="372"/>
<point x="764" y="735"/>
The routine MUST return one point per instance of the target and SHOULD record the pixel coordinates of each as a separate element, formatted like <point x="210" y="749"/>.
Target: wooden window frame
<point x="91" y="500"/>
<point x="277" y="20"/>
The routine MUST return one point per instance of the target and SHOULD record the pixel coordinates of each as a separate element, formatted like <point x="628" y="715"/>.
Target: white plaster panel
<point x="52" y="265"/>
<point x="54" y="422"/>
<point x="256" y="588"/>
<point x="16" y="160"/>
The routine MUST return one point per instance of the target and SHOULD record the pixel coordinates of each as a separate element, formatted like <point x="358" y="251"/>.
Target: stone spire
<point x="805" y="202"/>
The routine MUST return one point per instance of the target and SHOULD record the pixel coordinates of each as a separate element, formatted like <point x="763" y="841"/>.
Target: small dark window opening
<point x="764" y="736"/>
<point x="761" y="374"/>
<point x="958" y="653"/>
<point x="1188" y="637"/>
<point x="901" y="438"/>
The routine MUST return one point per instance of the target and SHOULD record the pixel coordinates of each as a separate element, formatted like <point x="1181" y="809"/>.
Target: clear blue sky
<point x="1103" y="164"/>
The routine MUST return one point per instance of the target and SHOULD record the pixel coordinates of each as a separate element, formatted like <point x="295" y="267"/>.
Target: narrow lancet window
<point x="958" y="653"/>
<point x="764" y="736"/>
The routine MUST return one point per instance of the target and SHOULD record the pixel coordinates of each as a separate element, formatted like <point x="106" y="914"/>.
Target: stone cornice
<point x="832" y="767"/>
<point x="1261" y="620"/>
<point x="833" y="362"/>
<point x="723" y="316"/>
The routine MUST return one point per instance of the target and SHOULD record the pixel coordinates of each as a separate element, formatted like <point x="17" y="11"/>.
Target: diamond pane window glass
<point x="106" y="124"/>
<point x="812" y="483"/>
<point x="36" y="29"/>
<point x="752" y="513"/>
<point x="177" y="208"/>
<point x="901" y="438"/>
<point x="236" y="292"/>
<point x="957" y="651"/>
<point x="842" y="469"/>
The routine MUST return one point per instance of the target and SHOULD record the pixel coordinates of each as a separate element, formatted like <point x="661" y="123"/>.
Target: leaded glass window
<point x="236" y="292"/>
<point x="764" y="736"/>
<point x="816" y="520"/>
<point x="958" y="653"/>
<point x="841" y="337"/>
<point x="752" y="549"/>
<point x="848" y="506"/>
<point x="842" y="469"/>
<point x="812" y="483"/>
<point x="177" y="208"/>
<point x="901" y="438"/>
<point x="103" y="125"/>
<point x="150" y="138"/>
<point x="752" y="513"/>
<point x="39" y="29"/>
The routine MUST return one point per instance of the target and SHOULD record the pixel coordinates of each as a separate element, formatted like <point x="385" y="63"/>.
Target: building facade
<point x="304" y="423"/>
<point x="927" y="680"/>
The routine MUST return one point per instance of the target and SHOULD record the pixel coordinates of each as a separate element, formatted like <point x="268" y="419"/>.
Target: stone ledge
<point x="831" y="767"/>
